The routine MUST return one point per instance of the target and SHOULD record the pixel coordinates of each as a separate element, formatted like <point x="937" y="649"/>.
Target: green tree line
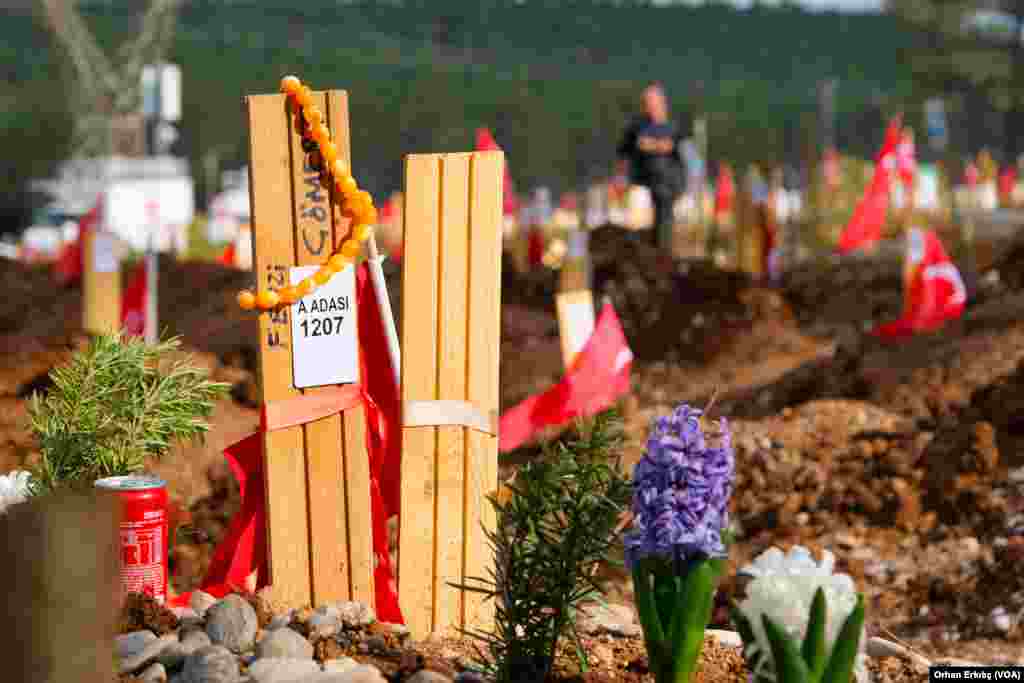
<point x="554" y="80"/>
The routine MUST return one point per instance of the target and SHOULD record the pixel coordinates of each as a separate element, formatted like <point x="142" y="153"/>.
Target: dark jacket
<point x="654" y="152"/>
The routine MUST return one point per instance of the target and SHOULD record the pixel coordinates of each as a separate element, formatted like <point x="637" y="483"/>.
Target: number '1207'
<point x="321" y="327"/>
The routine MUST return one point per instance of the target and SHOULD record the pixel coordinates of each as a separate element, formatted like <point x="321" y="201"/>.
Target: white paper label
<point x="326" y="349"/>
<point x="579" y="325"/>
<point x="104" y="253"/>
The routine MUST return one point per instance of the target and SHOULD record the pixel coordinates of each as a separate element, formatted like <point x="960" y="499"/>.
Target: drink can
<point x="143" y="533"/>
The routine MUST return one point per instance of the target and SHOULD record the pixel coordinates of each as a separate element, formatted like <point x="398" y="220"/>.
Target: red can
<point x="143" y="533"/>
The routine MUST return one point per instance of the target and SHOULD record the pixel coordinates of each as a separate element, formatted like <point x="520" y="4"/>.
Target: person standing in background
<point x="651" y="150"/>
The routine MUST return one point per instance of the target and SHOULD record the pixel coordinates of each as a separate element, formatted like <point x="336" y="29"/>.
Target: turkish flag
<point x="485" y="142"/>
<point x="725" y="193"/>
<point x="133" y="302"/>
<point x="596" y="379"/>
<point x="70" y="261"/>
<point x="934" y="291"/>
<point x="227" y="257"/>
<point x="865" y="226"/>
<point x="244" y="551"/>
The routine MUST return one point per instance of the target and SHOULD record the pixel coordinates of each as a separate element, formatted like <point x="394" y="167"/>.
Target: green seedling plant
<point x="558" y="526"/>
<point x="114" y="405"/>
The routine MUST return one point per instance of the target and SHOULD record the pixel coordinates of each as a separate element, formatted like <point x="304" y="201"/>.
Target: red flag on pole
<point x="485" y="142"/>
<point x="725" y="193"/>
<point x="597" y="378"/>
<point x="935" y="292"/>
<point x="865" y="227"/>
<point x="227" y="257"/>
<point x="69" y="265"/>
<point x="243" y="550"/>
<point x="133" y="303"/>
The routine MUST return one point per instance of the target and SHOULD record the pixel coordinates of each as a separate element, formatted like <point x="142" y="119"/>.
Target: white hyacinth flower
<point x="13" y="489"/>
<point x="783" y="588"/>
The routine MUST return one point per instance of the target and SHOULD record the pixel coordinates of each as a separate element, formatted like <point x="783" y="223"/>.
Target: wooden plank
<point x="453" y="299"/>
<point x="483" y="356"/>
<point x="325" y="472"/>
<point x="571" y="337"/>
<point x="421" y="216"/>
<point x="353" y="422"/>
<point x="270" y="197"/>
<point x="101" y="292"/>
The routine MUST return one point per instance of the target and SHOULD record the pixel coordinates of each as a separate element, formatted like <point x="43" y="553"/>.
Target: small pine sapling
<point x="113" y="405"/>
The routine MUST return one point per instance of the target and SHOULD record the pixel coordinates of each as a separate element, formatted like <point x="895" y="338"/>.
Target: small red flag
<point x="485" y="142"/>
<point x="227" y="257"/>
<point x="725" y="193"/>
<point x="133" y="303"/>
<point x="70" y="261"/>
<point x="935" y="292"/>
<point x="865" y="226"/>
<point x="597" y="378"/>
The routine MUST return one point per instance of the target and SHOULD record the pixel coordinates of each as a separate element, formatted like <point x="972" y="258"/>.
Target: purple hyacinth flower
<point x="681" y="490"/>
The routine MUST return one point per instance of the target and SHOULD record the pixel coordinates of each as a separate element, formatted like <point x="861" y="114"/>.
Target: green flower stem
<point x="693" y="612"/>
<point x="688" y="601"/>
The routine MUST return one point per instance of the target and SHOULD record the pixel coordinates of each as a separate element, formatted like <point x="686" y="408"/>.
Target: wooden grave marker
<point x="316" y="474"/>
<point x="101" y="282"/>
<point x="576" y="322"/>
<point x="451" y="295"/>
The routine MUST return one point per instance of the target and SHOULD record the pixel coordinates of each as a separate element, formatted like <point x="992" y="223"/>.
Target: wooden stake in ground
<point x="101" y="283"/>
<point x="576" y="322"/>
<point x="316" y="474"/>
<point x="451" y="288"/>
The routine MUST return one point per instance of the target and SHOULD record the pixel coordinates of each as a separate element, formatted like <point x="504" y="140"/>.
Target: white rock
<point x="356" y="614"/>
<point x="155" y="673"/>
<point x="211" y="664"/>
<point x="201" y="602"/>
<point x="284" y="643"/>
<point x="148" y="654"/>
<point x="364" y="673"/>
<point x="281" y="620"/>
<point x="726" y="638"/>
<point x="325" y="622"/>
<point x="340" y="665"/>
<point x="174" y="655"/>
<point x="232" y="622"/>
<point x="283" y="670"/>
<point x="132" y="643"/>
<point x="424" y="676"/>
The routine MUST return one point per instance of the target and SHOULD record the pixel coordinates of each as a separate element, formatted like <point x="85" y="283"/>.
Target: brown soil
<point x="897" y="458"/>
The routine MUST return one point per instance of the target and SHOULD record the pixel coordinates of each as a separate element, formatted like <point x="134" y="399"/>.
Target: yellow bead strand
<point x="357" y="204"/>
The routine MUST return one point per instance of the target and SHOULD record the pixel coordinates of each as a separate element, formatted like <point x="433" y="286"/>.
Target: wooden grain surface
<point x="482" y="367"/>
<point x="270" y="190"/>
<point x="420" y="276"/>
<point x="353" y="422"/>
<point x="452" y="333"/>
<point x="325" y="468"/>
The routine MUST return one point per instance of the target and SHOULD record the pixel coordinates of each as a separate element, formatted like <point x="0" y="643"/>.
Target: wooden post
<point x="61" y="589"/>
<point x="101" y="283"/>
<point x="317" y="474"/>
<point x="451" y="289"/>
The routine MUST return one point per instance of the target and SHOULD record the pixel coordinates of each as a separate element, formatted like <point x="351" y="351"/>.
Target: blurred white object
<point x="639" y="207"/>
<point x="988" y="199"/>
<point x="13" y="489"/>
<point x="41" y="241"/>
<point x="243" y="248"/>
